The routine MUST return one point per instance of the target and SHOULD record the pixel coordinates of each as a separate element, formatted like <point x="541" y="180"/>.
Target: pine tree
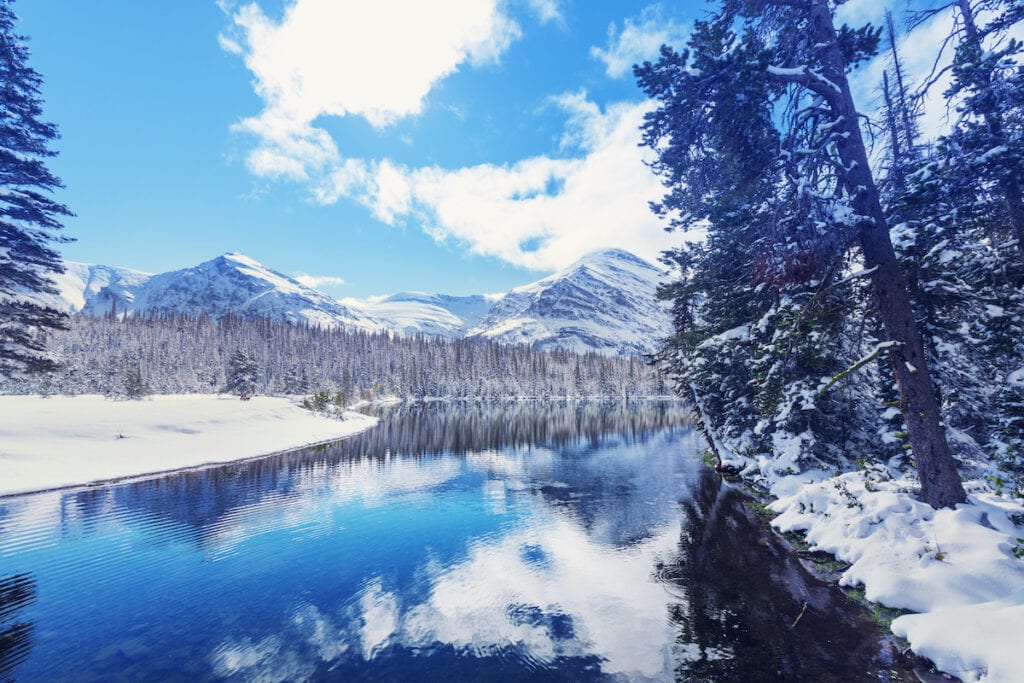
<point x="242" y="374"/>
<point x="958" y="228"/>
<point x="989" y="136"/>
<point x="29" y="218"/>
<point x="763" y="92"/>
<point x="132" y="382"/>
<point x="184" y="355"/>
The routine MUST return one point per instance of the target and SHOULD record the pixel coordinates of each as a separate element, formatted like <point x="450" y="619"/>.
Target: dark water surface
<point x="452" y="542"/>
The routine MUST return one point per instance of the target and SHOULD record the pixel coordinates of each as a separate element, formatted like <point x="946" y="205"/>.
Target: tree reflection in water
<point x="201" y="499"/>
<point x="740" y="596"/>
<point x="16" y="592"/>
<point x="423" y="428"/>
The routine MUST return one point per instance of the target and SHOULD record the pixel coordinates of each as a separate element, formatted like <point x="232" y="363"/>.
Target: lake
<point x="514" y="541"/>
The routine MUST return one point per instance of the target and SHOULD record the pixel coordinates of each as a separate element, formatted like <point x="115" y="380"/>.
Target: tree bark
<point x="940" y="481"/>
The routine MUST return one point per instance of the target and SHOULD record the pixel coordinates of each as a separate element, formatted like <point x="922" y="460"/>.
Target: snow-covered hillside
<point x="82" y="285"/>
<point x="604" y="302"/>
<point x="439" y="315"/>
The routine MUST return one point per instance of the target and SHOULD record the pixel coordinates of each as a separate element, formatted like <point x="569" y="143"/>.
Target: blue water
<point x="452" y="542"/>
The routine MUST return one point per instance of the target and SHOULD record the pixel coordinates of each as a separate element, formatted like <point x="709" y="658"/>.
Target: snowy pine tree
<point x="185" y="355"/>
<point x="133" y="385"/>
<point x="242" y="374"/>
<point x="955" y="233"/>
<point x="988" y="84"/>
<point x="29" y="218"/>
<point x="758" y="138"/>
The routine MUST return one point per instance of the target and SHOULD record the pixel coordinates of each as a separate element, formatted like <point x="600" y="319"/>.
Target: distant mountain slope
<point x="604" y="302"/>
<point x="229" y="284"/>
<point x="82" y="285"/>
<point x="439" y="315"/>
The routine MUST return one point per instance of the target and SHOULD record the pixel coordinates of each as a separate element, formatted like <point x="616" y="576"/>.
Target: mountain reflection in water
<point x="520" y="541"/>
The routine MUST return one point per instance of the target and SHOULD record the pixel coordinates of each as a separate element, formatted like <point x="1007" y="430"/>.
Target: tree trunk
<point x="901" y="89"/>
<point x="1015" y="206"/>
<point x="900" y="182"/>
<point x="940" y="482"/>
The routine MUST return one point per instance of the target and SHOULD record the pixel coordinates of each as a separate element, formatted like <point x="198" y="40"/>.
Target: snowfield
<point x="960" y="571"/>
<point x="61" y="441"/>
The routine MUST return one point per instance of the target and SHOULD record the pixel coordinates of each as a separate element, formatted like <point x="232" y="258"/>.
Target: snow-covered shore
<point x="65" y="441"/>
<point x="960" y="571"/>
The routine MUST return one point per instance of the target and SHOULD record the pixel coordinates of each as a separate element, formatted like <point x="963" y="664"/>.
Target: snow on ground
<point x="68" y="440"/>
<point x="960" y="571"/>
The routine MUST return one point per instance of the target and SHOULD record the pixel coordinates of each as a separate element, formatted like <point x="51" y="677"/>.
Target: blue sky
<point x="459" y="146"/>
<point x="446" y="152"/>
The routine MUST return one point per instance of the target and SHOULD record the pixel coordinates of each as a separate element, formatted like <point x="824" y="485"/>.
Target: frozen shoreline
<point x="62" y="441"/>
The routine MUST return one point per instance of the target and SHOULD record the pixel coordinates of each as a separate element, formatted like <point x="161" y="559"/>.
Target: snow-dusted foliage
<point x="959" y="216"/>
<point x="766" y="311"/>
<point x="30" y="219"/>
<point x="840" y="307"/>
<point x="180" y="354"/>
<point x="845" y="304"/>
<point x="243" y="374"/>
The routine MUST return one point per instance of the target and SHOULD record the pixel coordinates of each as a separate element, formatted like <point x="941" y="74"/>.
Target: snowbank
<point x="961" y="571"/>
<point x="63" y="441"/>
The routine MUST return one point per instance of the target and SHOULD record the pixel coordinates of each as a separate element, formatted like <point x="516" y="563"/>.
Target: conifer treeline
<point x="179" y="354"/>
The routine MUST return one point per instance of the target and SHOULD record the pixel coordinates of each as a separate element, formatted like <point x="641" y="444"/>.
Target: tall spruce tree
<point x="988" y="77"/>
<point x="242" y="374"/>
<point x="777" y="70"/>
<point x="29" y="217"/>
<point x="958" y="234"/>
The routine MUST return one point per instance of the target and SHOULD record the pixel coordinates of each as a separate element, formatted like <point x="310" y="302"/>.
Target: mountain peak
<point x="238" y="257"/>
<point x="605" y="301"/>
<point x="230" y="284"/>
<point x="612" y="256"/>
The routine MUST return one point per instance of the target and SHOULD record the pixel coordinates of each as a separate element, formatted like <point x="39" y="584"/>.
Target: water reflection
<point x="483" y="542"/>
<point x="563" y="584"/>
<point x="747" y="610"/>
<point x="415" y="429"/>
<point x="203" y="502"/>
<point x="16" y="593"/>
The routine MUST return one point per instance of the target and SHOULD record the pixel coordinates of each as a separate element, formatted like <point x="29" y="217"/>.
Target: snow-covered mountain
<point x="439" y="315"/>
<point x="604" y="302"/>
<point x="82" y="285"/>
<point x="229" y="284"/>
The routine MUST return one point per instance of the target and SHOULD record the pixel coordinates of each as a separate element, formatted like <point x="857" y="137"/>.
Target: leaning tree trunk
<point x="940" y="481"/>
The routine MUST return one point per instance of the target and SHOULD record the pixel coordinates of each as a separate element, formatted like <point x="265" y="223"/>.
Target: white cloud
<point x="317" y="281"/>
<point x="376" y="60"/>
<point x="639" y="40"/>
<point x="540" y="212"/>
<point x="326" y="58"/>
<point x="547" y="11"/>
<point x="859" y="12"/>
